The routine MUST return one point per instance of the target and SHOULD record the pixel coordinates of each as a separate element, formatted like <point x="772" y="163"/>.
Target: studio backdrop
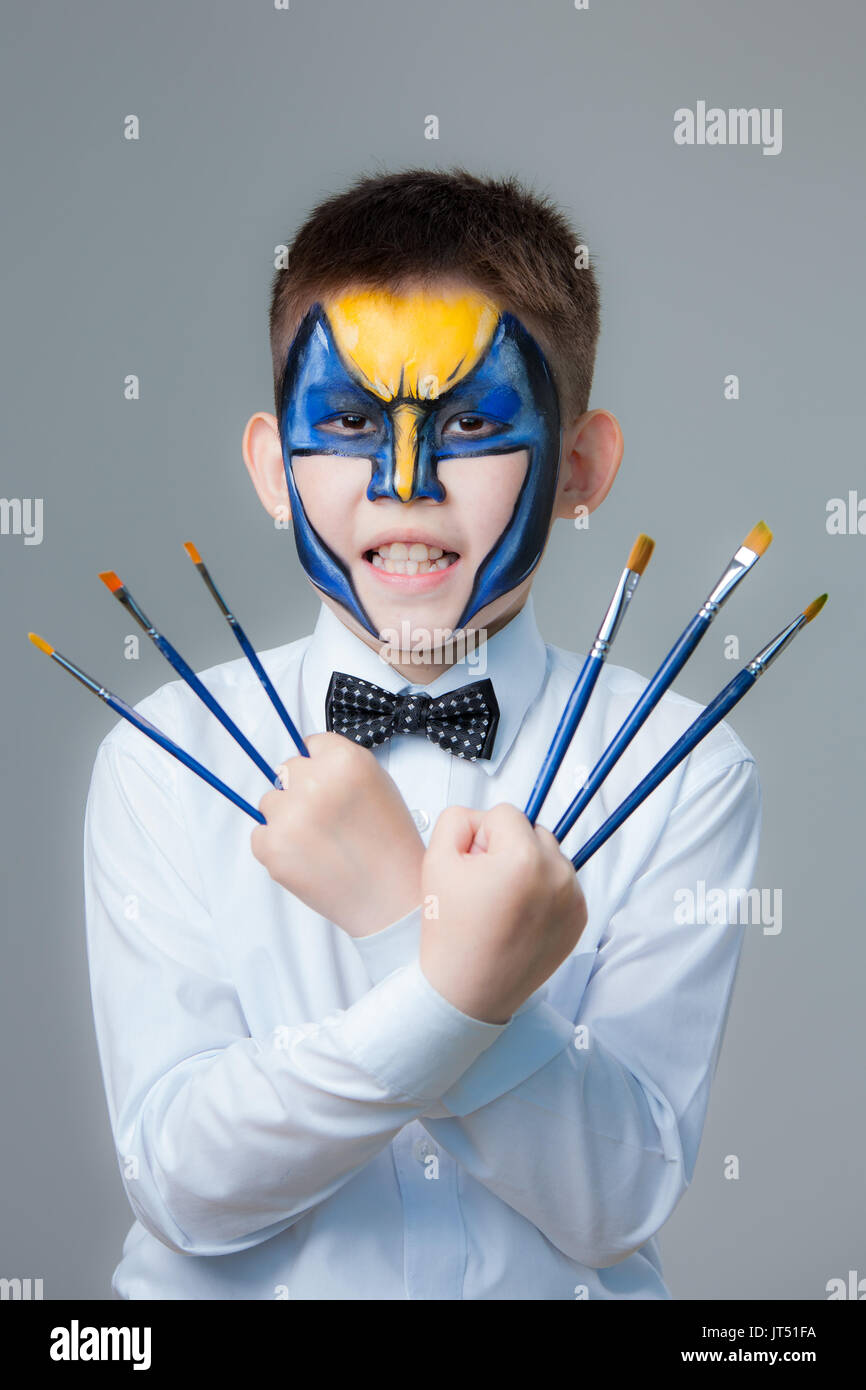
<point x="157" y="160"/>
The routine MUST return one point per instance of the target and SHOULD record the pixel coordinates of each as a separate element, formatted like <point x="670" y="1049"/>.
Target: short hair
<point x="393" y="230"/>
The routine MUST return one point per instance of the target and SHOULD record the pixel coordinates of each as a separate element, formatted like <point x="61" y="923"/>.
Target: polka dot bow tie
<point x="462" y="721"/>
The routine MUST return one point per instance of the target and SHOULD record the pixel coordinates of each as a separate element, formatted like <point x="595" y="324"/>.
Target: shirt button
<point x="423" y="1148"/>
<point x="421" y="819"/>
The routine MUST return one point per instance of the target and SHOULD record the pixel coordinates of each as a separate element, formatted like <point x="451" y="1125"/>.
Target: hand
<point x="510" y="910"/>
<point x="341" y="837"/>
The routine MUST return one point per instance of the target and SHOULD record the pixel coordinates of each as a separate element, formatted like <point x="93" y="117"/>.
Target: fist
<point x="341" y="837"/>
<point x="510" y="910"/>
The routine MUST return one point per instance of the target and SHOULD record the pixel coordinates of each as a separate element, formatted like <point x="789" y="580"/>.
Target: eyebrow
<point x="502" y="400"/>
<point x="334" y="396"/>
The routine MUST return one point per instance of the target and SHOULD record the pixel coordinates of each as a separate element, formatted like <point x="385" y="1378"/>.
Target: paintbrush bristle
<point x="814" y="608"/>
<point x="192" y="552"/>
<point x="640" y="553"/>
<point x="758" y="538"/>
<point x="111" y="580"/>
<point x="40" y="643"/>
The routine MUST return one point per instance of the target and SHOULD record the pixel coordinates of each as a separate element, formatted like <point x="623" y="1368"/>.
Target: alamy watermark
<point x="21" y="1289"/>
<point x="846" y="516"/>
<point x="712" y="125"/>
<point x="22" y="516"/>
<point x="418" y="646"/>
<point x="77" y="1343"/>
<point x="853" y="1287"/>
<point x="716" y="907"/>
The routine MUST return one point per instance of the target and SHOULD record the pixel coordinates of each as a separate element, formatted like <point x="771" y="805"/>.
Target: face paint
<point x="407" y="365"/>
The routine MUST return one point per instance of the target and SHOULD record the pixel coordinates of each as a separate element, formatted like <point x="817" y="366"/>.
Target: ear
<point x="591" y="454"/>
<point x="263" y="456"/>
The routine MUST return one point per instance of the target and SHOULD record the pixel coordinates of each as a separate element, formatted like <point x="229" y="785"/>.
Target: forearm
<point x="562" y="1132"/>
<point x="586" y="1117"/>
<point x="227" y="1149"/>
<point x="581" y="1148"/>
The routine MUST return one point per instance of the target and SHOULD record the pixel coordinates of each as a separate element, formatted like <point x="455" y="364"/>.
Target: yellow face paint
<point x="405" y="418"/>
<point x="413" y="347"/>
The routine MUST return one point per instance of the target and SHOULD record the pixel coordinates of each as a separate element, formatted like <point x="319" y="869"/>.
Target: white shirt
<point x="299" y="1114"/>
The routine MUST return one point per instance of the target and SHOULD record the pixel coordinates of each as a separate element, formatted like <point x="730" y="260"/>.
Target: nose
<point x="410" y="475"/>
<point x="405" y="419"/>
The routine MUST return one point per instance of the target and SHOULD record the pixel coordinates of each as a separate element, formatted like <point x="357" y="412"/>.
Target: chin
<point x="418" y="613"/>
<point x="427" y="619"/>
<point x="409" y="627"/>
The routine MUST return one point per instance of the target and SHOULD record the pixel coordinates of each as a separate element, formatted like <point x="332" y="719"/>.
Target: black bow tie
<point x="463" y="721"/>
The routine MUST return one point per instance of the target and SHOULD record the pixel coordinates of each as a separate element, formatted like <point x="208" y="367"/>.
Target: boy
<point x="398" y="1051"/>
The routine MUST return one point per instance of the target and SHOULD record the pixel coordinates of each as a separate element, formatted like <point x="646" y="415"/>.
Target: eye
<point x="469" y="426"/>
<point x="348" y="423"/>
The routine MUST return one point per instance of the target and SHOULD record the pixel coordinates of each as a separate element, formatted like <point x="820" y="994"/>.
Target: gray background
<point x="155" y="258"/>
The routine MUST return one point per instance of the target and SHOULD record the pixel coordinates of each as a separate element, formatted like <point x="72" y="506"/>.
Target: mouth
<point x="410" y="557"/>
<point x="411" y="564"/>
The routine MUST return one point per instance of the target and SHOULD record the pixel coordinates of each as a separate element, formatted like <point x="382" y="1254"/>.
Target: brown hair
<point x="392" y="229"/>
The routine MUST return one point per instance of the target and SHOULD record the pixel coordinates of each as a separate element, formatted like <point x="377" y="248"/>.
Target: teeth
<point x="400" y="550"/>
<point x="399" y="557"/>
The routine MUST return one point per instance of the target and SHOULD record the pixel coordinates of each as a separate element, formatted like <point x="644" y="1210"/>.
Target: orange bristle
<point x="192" y="552"/>
<point x="640" y="553"/>
<point x="111" y="580"/>
<point x="814" y="608"/>
<point x="758" y="538"/>
<point x="40" y="643"/>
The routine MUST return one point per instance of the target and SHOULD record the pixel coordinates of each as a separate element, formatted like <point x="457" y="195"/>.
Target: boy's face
<point x="421" y="439"/>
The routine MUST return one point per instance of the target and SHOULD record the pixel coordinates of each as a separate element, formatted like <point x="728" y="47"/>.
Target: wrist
<point x="388" y="924"/>
<point x="396" y="898"/>
<point x="470" y="997"/>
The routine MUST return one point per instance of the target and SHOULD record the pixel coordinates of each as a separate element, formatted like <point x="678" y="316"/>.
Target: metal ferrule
<point x="758" y="665"/>
<point x="740" y="565"/>
<point x="226" y="611"/>
<point x="141" y="618"/>
<point x="628" y="582"/>
<point x="79" y="675"/>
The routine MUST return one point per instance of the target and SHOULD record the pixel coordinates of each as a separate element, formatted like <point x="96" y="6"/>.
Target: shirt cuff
<point x="411" y="1038"/>
<point x="384" y="951"/>
<point x="531" y="1039"/>
<point x="534" y="1034"/>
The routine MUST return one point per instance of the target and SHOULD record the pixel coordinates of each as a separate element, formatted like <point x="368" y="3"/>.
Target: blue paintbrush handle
<point x="706" y="720"/>
<point x="571" y="717"/>
<point x="251" y="655"/>
<point x="122" y="708"/>
<point x="214" y="706"/>
<point x="664" y="676"/>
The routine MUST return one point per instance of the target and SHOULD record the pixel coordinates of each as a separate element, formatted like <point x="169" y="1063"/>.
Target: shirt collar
<point x="514" y="659"/>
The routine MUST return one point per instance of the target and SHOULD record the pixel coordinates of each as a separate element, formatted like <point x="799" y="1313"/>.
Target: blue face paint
<point x="511" y="387"/>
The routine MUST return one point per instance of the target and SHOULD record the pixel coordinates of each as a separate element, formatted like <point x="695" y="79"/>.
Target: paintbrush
<point x="741" y="562"/>
<point x="579" y="698"/>
<point x="247" y="648"/>
<point x="706" y="720"/>
<point x="122" y="708"/>
<point x="122" y="594"/>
